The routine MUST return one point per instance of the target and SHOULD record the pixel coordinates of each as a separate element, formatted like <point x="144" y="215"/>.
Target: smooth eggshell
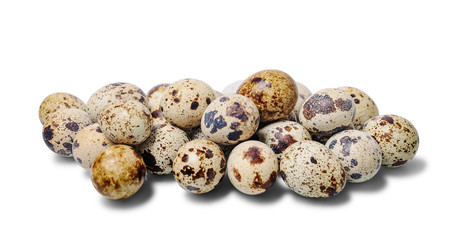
<point x="365" y="106"/>
<point x="303" y="94"/>
<point x="57" y="101"/>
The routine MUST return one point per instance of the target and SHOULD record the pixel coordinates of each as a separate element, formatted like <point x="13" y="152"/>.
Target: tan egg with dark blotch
<point x="252" y="167"/>
<point x="57" y="101"/>
<point x="88" y="143"/>
<point x="118" y="172"/>
<point x="365" y="106"/>
<point x="303" y="94"/>
<point x="198" y="134"/>
<point x="397" y="138"/>
<point x="154" y="95"/>
<point x="199" y="166"/>
<point x="310" y="169"/>
<point x="182" y="104"/>
<point x="274" y="92"/>
<point x="61" y="127"/>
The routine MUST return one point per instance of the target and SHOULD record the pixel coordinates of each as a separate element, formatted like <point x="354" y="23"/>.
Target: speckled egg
<point x="274" y="93"/>
<point x="59" y="100"/>
<point x="118" y="172"/>
<point x="126" y="122"/>
<point x="310" y="169"/>
<point x="183" y="103"/>
<point x="359" y="154"/>
<point x="113" y="92"/>
<point x="196" y="133"/>
<point x="397" y="138"/>
<point x="159" y="150"/>
<point x="154" y="95"/>
<point x="327" y="112"/>
<point x="365" y="106"/>
<point x="303" y="94"/>
<point x="199" y="166"/>
<point x="88" y="143"/>
<point x="280" y="135"/>
<point x="61" y="127"/>
<point x="252" y="167"/>
<point x="230" y="119"/>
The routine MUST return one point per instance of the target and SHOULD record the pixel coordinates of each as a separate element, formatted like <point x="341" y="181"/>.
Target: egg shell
<point x="125" y="122"/>
<point x="57" y="101"/>
<point x="232" y="88"/>
<point x="280" y="135"/>
<point x="397" y="137"/>
<point x="230" y="119"/>
<point x="113" y="92"/>
<point x="303" y="93"/>
<point x="359" y="154"/>
<point x="199" y="166"/>
<point x="88" y="143"/>
<point x="274" y="92"/>
<point x="118" y="172"/>
<point x="61" y="128"/>
<point x="365" y="106"/>
<point x="196" y="133"/>
<point x="182" y="104"/>
<point x="252" y="167"/>
<point x="159" y="150"/>
<point x="310" y="169"/>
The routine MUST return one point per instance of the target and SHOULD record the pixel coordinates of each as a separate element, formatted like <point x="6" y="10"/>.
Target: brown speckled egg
<point x="303" y="94"/>
<point x="359" y="154"/>
<point x="159" y="150"/>
<point x="310" y="169"/>
<point x="230" y="119"/>
<point x="118" y="172"/>
<point x="196" y="133"/>
<point x="127" y="122"/>
<point x="274" y="93"/>
<point x="113" y="92"/>
<point x="88" y="143"/>
<point x="365" y="106"/>
<point x="61" y="128"/>
<point x="397" y="138"/>
<point x="59" y="100"/>
<point x="252" y="167"/>
<point x="183" y="103"/>
<point x="199" y="166"/>
<point x="327" y="112"/>
<point x="280" y="135"/>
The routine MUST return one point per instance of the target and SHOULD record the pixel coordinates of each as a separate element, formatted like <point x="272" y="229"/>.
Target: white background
<point x="399" y="52"/>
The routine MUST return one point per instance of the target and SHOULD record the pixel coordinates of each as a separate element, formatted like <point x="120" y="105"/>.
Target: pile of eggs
<point x="257" y="129"/>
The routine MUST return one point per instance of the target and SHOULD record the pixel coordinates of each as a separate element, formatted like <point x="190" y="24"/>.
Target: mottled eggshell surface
<point x="199" y="166"/>
<point x="252" y="167"/>
<point x="88" y="143"/>
<point x="57" y="101"/>
<point x="397" y="138"/>
<point x="183" y="103"/>
<point x="274" y="93"/>
<point x="118" y="172"/>
<point x="303" y="94"/>
<point x="365" y="106"/>
<point x="310" y="169"/>
<point x="61" y="128"/>
<point x="126" y="122"/>
<point x="159" y="150"/>
<point x="359" y="154"/>
<point x="230" y="119"/>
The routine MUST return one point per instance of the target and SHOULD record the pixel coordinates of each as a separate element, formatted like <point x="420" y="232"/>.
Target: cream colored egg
<point x="57" y="101"/>
<point x="365" y="106"/>
<point x="303" y="94"/>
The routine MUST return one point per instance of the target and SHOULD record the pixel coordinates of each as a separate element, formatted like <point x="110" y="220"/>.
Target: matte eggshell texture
<point x="252" y="167"/>
<point x="154" y="95"/>
<point x="61" y="128"/>
<point x="310" y="169"/>
<point x="359" y="154"/>
<point x="365" y="106"/>
<point x="303" y="94"/>
<point x="56" y="101"/>
<point x="397" y="138"/>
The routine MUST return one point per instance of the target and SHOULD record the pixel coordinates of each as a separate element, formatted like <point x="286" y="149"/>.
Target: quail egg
<point x="232" y="88"/>
<point x="303" y="94"/>
<point x="59" y="100"/>
<point x="365" y="106"/>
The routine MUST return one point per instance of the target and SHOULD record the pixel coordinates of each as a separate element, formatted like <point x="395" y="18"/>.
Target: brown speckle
<point x="73" y="126"/>
<point x="194" y="105"/>
<point x="253" y="154"/>
<point x="209" y="154"/>
<point x="318" y="104"/>
<point x="343" y="105"/>
<point x="185" y="158"/>
<point x="187" y="170"/>
<point x="236" y="174"/>
<point x="236" y="110"/>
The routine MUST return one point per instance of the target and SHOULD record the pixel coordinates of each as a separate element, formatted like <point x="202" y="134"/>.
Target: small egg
<point x="274" y="93"/>
<point x="61" y="128"/>
<point x="159" y="150"/>
<point x="310" y="169"/>
<point x="182" y="104"/>
<point x="232" y="88"/>
<point x="126" y="122"/>
<point x="118" y="172"/>
<point x="230" y="119"/>
<point x="359" y="154"/>
<point x="303" y="94"/>
<point x="365" y="106"/>
<point x="113" y="92"/>
<point x="88" y="143"/>
<point x="154" y="95"/>
<point x="199" y="166"/>
<point x="252" y="167"/>
<point x="196" y="133"/>
<point x="59" y="100"/>
<point x="397" y="138"/>
<point x="217" y="94"/>
<point x="280" y="135"/>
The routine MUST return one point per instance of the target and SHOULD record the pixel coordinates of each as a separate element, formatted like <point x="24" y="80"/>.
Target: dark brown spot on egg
<point x="318" y="104"/>
<point x="283" y="174"/>
<point x="68" y="146"/>
<point x="234" y="136"/>
<point x="208" y="101"/>
<point x="176" y="100"/>
<point x="209" y="154"/>
<point x="388" y="119"/>
<point x="47" y="133"/>
<point x="73" y="126"/>
<point x="187" y="170"/>
<point x="343" y="104"/>
<point x="76" y="144"/>
<point x="199" y="174"/>
<point x="268" y="184"/>
<point x="235" y="125"/>
<point x="174" y="92"/>
<point x="194" y="105"/>
<point x="193" y="189"/>
<point x="283" y="142"/>
<point x="236" y="110"/>
<point x="223" y="99"/>
<point x="236" y="174"/>
<point x="313" y="160"/>
<point x="210" y="175"/>
<point x="399" y="163"/>
<point x="185" y="158"/>
<point x="253" y="154"/>
<point x="346" y="143"/>
<point x="150" y="162"/>
<point x="157" y="114"/>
